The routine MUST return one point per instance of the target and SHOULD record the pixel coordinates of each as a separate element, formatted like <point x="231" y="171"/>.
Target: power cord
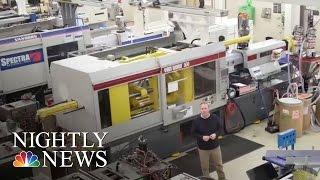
<point x="231" y="107"/>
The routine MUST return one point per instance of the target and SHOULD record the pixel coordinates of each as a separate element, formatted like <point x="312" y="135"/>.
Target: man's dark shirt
<point x="205" y="127"/>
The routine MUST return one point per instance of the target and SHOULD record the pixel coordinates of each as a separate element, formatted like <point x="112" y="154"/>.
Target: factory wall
<point x="263" y="27"/>
<point x="316" y="19"/>
<point x="274" y="26"/>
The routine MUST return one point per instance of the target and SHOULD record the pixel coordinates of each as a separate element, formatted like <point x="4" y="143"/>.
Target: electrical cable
<point x="300" y="66"/>
<point x="314" y="126"/>
<point x="289" y="72"/>
<point x="265" y="108"/>
<point x="196" y="39"/>
<point x="226" y="117"/>
<point x="316" y="96"/>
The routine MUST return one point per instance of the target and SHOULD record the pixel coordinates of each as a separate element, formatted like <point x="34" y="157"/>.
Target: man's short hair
<point x="204" y="102"/>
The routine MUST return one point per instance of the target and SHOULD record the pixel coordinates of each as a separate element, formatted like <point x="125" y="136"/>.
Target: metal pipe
<point x="237" y="40"/>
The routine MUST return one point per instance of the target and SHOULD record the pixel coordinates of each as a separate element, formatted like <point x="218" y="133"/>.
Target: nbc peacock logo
<point x="26" y="159"/>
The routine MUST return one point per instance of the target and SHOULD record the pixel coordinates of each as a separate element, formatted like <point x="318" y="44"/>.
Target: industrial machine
<point x="303" y="42"/>
<point x="85" y="12"/>
<point x="46" y="45"/>
<point x="201" y="26"/>
<point x="11" y="17"/>
<point x="127" y="88"/>
<point x="255" y="73"/>
<point x="20" y="113"/>
<point x="132" y="94"/>
<point x="91" y="15"/>
<point x="128" y="93"/>
<point x="123" y="35"/>
<point x="304" y="55"/>
<point x="149" y="24"/>
<point x="7" y="156"/>
<point x="21" y="12"/>
<point x="139" y="163"/>
<point x="26" y="59"/>
<point x="257" y="59"/>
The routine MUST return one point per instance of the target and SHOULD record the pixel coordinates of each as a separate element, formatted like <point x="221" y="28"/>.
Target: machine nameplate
<point x="20" y="59"/>
<point x="19" y="39"/>
<point x="176" y="67"/>
<point x="193" y="62"/>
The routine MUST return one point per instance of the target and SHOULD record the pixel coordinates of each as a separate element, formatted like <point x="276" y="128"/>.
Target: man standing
<point x="206" y="128"/>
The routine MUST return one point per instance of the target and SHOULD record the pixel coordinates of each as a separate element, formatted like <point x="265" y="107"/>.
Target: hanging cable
<point x="231" y="108"/>
<point x="314" y="122"/>
<point x="289" y="72"/>
<point x="300" y="66"/>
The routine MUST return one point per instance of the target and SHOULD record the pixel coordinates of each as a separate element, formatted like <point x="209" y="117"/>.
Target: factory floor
<point x="236" y="169"/>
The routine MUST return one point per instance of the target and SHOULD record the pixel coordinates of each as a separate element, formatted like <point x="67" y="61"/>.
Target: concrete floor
<point x="236" y="169"/>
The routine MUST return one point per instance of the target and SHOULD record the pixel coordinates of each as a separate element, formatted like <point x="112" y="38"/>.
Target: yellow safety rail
<point x="59" y="108"/>
<point x="237" y="40"/>
<point x="142" y="57"/>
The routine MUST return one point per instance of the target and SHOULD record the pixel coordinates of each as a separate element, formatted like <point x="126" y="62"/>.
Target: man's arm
<point x="217" y="132"/>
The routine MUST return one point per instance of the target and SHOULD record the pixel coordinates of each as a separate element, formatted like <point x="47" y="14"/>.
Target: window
<point x="144" y="96"/>
<point x="204" y="80"/>
<point x="277" y="8"/>
<point x="179" y="87"/>
<point x="60" y="51"/>
<point x="104" y="106"/>
<point x="264" y="54"/>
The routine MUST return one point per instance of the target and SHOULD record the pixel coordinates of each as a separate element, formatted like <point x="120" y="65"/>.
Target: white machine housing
<point x="148" y="20"/>
<point x="199" y="23"/>
<point x="81" y="78"/>
<point x="24" y="59"/>
<point x="207" y="25"/>
<point x="91" y="14"/>
<point x="145" y="28"/>
<point x="257" y="58"/>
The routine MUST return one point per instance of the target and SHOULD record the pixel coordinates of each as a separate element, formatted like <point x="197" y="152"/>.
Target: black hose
<point x="241" y="113"/>
<point x="197" y="39"/>
<point x="263" y="103"/>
